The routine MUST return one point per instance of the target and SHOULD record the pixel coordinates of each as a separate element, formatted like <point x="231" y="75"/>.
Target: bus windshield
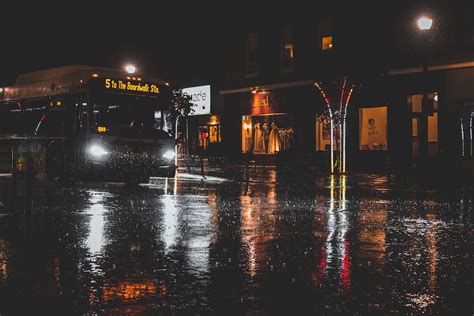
<point x="136" y="121"/>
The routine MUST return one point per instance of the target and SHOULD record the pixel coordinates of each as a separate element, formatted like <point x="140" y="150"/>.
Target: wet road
<point x="333" y="244"/>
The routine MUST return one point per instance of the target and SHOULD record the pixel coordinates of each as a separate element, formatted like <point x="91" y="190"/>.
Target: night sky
<point x="159" y="39"/>
<point x="178" y="41"/>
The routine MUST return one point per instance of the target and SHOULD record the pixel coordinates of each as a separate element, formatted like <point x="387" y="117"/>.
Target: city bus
<point x="87" y="121"/>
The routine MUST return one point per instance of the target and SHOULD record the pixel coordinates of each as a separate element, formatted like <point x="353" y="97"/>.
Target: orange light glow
<point x="95" y="75"/>
<point x="129" y="291"/>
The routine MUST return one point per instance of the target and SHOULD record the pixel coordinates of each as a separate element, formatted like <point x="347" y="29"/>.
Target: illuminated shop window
<point x="414" y="127"/>
<point x="266" y="134"/>
<point x="211" y="133"/>
<point x="246" y="134"/>
<point x="416" y="103"/>
<point x="430" y="103"/>
<point x="373" y="128"/>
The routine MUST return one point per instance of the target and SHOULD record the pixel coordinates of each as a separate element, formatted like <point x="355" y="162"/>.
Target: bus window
<point x="127" y="120"/>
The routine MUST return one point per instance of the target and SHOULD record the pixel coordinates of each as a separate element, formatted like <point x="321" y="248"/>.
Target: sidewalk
<point x="239" y="173"/>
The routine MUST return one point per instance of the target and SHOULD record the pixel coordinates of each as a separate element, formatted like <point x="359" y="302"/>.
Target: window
<point x="373" y="128"/>
<point x="287" y="54"/>
<point x="424" y="113"/>
<point x="326" y="42"/>
<point x="416" y="103"/>
<point x="266" y="134"/>
<point x="252" y="41"/>
<point x="326" y="34"/>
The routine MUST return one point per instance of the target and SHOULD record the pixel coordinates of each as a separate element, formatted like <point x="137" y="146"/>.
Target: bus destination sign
<point x="117" y="85"/>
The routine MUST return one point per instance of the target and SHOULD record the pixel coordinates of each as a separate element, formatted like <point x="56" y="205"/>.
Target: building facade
<point x="412" y="104"/>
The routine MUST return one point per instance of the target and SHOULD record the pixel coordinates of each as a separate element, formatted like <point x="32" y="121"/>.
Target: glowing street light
<point x="424" y="23"/>
<point x="130" y="68"/>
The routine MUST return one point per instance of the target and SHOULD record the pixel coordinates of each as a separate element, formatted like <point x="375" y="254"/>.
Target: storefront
<point x="209" y="132"/>
<point x="203" y="128"/>
<point x="266" y="131"/>
<point x="268" y="121"/>
<point x="268" y="124"/>
<point x="393" y="123"/>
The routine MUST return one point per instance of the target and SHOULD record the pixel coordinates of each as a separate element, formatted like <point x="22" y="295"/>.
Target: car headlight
<point x="97" y="151"/>
<point x="169" y="154"/>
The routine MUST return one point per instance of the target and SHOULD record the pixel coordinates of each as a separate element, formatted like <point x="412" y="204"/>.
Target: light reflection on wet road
<point x="320" y="246"/>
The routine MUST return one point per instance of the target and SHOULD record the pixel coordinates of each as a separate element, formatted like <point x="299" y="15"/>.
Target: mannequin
<point x="274" y="140"/>
<point x="259" y="145"/>
<point x="266" y="136"/>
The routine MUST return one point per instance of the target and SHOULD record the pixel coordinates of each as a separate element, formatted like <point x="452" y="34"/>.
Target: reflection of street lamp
<point x="131" y="69"/>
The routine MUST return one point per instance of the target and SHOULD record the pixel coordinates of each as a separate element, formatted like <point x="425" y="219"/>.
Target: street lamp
<point x="131" y="69"/>
<point x="424" y="23"/>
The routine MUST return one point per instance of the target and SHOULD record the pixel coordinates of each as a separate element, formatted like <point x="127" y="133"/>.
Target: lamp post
<point x="424" y="24"/>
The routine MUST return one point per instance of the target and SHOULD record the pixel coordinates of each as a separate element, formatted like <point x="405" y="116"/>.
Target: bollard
<point x="29" y="185"/>
<point x="247" y="175"/>
<point x="13" y="183"/>
<point x="202" y="168"/>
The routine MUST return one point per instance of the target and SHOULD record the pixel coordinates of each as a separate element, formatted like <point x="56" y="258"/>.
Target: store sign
<point x="264" y="103"/>
<point x="132" y="86"/>
<point x="201" y="97"/>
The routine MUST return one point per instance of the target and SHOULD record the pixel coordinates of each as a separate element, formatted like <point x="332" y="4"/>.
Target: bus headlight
<point x="97" y="151"/>
<point x="169" y="154"/>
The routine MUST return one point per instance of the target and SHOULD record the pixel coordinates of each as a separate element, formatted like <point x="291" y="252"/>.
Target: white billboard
<point x="201" y="96"/>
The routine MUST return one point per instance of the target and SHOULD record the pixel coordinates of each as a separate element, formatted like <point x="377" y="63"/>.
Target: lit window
<point x="373" y="128"/>
<point x="326" y="42"/>
<point x="416" y="103"/>
<point x="287" y="54"/>
<point x="326" y="33"/>
<point x="246" y="134"/>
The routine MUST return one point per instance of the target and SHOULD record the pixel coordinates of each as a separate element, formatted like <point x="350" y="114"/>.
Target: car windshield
<point x="137" y="120"/>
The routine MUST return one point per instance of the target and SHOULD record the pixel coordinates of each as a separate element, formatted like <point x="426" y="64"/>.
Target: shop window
<point x="247" y="134"/>
<point x="424" y="111"/>
<point x="433" y="127"/>
<point x="373" y="128"/>
<point x="416" y="103"/>
<point x="266" y="134"/>
<point x="252" y="41"/>
<point x="323" y="135"/>
<point x="287" y="53"/>
<point x="414" y="127"/>
<point x="208" y="135"/>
